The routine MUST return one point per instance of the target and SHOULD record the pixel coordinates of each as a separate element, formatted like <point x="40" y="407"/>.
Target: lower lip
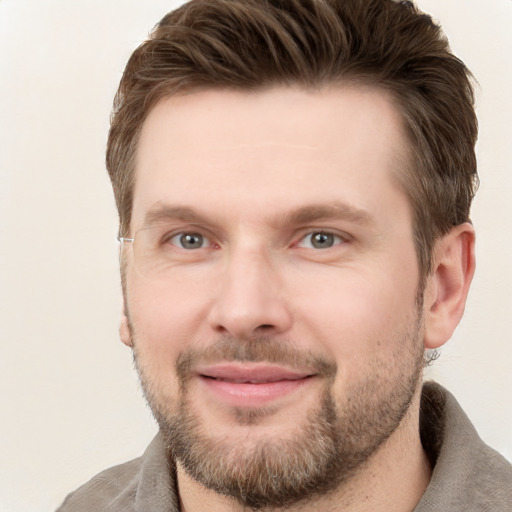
<point x="252" y="395"/>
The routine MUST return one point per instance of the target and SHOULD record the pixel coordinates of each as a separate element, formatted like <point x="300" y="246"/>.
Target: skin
<point x="256" y="174"/>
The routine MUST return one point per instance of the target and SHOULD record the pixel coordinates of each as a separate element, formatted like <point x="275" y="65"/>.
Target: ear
<point x="448" y="285"/>
<point x="125" y="332"/>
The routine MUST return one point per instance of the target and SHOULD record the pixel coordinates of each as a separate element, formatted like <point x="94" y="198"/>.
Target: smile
<point x="251" y="385"/>
<point x="245" y="381"/>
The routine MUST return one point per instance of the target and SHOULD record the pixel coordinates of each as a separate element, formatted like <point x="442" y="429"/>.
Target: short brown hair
<point x="253" y="44"/>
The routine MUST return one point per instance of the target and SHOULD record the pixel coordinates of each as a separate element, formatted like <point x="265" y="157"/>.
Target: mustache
<point x="261" y="349"/>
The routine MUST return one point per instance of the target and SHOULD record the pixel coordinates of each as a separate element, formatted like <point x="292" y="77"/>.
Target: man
<point x="293" y="181"/>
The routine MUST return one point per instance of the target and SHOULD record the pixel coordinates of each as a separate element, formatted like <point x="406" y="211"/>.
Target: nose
<point x="251" y="298"/>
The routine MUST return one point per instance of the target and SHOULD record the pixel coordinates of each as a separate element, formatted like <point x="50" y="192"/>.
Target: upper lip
<point x="254" y="373"/>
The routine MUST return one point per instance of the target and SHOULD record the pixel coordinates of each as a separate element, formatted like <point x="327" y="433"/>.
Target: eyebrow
<point x="331" y="211"/>
<point x="160" y="212"/>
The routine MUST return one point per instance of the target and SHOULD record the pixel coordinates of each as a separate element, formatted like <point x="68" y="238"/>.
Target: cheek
<point x="360" y="312"/>
<point x="165" y="316"/>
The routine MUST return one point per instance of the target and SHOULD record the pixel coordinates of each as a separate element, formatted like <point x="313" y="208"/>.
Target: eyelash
<point x="338" y="239"/>
<point x="182" y="234"/>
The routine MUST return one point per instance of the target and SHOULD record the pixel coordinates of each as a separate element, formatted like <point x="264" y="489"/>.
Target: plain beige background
<point x="69" y="401"/>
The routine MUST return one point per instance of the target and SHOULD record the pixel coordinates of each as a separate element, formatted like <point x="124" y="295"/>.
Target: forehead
<point x="276" y="149"/>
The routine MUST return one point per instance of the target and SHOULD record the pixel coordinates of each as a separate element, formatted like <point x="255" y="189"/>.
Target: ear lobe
<point x="125" y="332"/>
<point x="448" y="285"/>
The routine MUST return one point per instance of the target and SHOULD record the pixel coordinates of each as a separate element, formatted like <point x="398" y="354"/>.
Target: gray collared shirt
<point x="468" y="475"/>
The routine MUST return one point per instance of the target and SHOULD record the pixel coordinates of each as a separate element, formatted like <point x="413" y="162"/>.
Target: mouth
<point x="250" y="384"/>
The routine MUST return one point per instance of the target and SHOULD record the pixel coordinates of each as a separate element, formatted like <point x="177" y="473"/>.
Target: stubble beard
<point x="331" y="445"/>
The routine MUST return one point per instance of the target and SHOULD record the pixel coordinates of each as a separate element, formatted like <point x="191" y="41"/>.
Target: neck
<point x="393" y="480"/>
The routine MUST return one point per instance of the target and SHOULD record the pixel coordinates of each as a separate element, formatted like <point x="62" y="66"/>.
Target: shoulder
<point x="467" y="474"/>
<point x="112" y="489"/>
<point x="143" y="484"/>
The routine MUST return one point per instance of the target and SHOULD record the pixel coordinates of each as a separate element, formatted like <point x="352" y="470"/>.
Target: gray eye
<point x="322" y="240"/>
<point x="189" y="240"/>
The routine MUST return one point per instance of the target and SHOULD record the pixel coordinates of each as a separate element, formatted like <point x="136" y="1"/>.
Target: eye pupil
<point x="191" y="241"/>
<point x="322" y="240"/>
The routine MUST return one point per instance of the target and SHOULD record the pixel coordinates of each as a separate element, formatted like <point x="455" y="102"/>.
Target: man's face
<point x="274" y="307"/>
